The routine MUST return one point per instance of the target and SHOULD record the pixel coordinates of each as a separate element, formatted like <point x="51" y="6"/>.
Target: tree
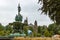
<point x="9" y="28"/>
<point x="43" y="28"/>
<point x="52" y="27"/>
<point x="58" y="30"/>
<point x="39" y="29"/>
<point x="55" y="29"/>
<point x="38" y="35"/>
<point x="2" y="33"/>
<point x="52" y="9"/>
<point x="2" y="30"/>
<point x="31" y="28"/>
<point x="1" y="27"/>
<point x="47" y="34"/>
<point x="26" y="30"/>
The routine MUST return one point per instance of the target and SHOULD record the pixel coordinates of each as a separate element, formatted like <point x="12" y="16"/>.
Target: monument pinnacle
<point x="19" y="16"/>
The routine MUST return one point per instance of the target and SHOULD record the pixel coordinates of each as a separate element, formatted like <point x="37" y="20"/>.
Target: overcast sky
<point x="8" y="11"/>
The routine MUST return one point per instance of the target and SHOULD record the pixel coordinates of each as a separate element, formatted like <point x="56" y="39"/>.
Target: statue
<point x="17" y="26"/>
<point x="19" y="16"/>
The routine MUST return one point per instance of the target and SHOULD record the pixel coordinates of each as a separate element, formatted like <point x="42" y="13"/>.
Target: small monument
<point x="18" y="25"/>
<point x="18" y="17"/>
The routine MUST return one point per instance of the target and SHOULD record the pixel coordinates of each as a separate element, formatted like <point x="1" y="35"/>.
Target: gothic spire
<point x="35" y="23"/>
<point x="26" y="21"/>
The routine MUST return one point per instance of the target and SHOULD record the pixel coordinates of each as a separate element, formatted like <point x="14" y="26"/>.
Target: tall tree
<point x="52" y="9"/>
<point x="53" y="28"/>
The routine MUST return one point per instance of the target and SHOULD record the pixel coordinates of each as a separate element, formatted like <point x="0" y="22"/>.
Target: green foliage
<point x="47" y="34"/>
<point x="31" y="28"/>
<point x="59" y="32"/>
<point x="2" y="33"/>
<point x="54" y="28"/>
<point x="38" y="35"/>
<point x="49" y="31"/>
<point x="9" y="28"/>
<point x="26" y="30"/>
<point x="2" y="30"/>
<point x="1" y="27"/>
<point x="7" y="32"/>
<point x="52" y="9"/>
<point x="34" y="34"/>
<point x="43" y="28"/>
<point x="39" y="29"/>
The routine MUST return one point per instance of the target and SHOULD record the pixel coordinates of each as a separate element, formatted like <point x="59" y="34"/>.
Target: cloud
<point x="8" y="11"/>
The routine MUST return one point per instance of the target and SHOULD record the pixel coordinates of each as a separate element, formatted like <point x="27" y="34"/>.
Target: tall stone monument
<point x="18" y="25"/>
<point x="18" y="17"/>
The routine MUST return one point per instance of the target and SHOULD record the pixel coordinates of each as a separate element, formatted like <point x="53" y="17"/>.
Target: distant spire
<point x="26" y="21"/>
<point x="35" y="23"/>
<point x="35" y="28"/>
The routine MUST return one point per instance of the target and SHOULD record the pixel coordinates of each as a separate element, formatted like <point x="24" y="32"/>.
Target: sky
<point x="29" y="8"/>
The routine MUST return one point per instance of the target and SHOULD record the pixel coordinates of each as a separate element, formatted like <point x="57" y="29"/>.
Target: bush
<point x="47" y="34"/>
<point x="38" y="35"/>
